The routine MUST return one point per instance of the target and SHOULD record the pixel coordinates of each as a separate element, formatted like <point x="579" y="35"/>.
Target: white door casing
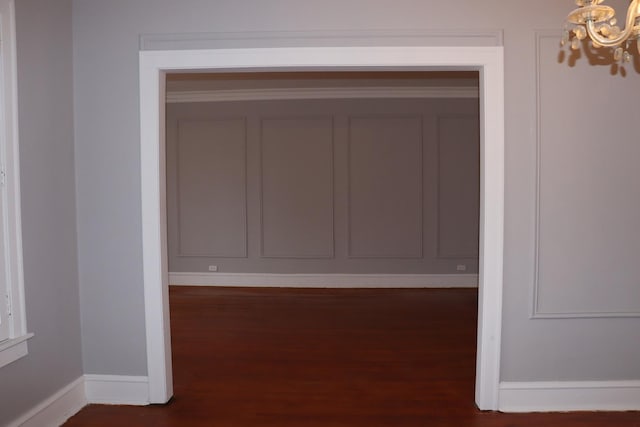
<point x="487" y="60"/>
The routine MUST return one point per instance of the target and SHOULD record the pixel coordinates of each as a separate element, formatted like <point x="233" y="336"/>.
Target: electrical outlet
<point x="213" y="268"/>
<point x="461" y="267"/>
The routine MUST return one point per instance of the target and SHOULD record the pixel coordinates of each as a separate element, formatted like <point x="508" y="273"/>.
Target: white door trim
<point x="487" y="60"/>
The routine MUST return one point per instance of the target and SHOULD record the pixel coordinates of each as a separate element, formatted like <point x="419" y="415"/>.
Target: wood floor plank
<point x="321" y="357"/>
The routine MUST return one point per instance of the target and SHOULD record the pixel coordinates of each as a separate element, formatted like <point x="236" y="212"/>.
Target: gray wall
<point x="106" y="40"/>
<point x="48" y="208"/>
<point x="323" y="186"/>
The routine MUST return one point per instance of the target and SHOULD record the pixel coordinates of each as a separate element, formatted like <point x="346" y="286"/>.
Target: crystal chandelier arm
<point x="615" y="41"/>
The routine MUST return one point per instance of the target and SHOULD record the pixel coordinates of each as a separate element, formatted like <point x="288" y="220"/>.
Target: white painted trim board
<point x="564" y="396"/>
<point x="488" y="60"/>
<point x="56" y="409"/>
<point x="117" y="389"/>
<point x="338" y="281"/>
<point x="69" y="400"/>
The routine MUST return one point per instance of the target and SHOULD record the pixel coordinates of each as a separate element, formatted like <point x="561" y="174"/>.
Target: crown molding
<point x="320" y="93"/>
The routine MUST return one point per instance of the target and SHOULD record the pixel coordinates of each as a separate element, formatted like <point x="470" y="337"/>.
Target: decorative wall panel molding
<point x="298" y="214"/>
<point x="458" y="204"/>
<point x="585" y="230"/>
<point x="212" y="193"/>
<point x="296" y="197"/>
<point x="385" y="170"/>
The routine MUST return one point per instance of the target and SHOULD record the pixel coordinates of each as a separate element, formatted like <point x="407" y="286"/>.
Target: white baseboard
<point x="569" y="396"/>
<point x="326" y="280"/>
<point x="117" y="389"/>
<point x="56" y="409"/>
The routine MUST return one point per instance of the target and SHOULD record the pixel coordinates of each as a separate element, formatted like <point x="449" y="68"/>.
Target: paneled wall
<point x="324" y="186"/>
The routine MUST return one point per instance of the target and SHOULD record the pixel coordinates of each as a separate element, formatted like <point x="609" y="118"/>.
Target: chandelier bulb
<point x="617" y="54"/>
<point x="575" y="44"/>
<point x="580" y="32"/>
<point x="627" y="56"/>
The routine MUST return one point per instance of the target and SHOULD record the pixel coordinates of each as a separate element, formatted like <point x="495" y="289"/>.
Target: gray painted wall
<point x="106" y="40"/>
<point x="323" y="186"/>
<point x="45" y="89"/>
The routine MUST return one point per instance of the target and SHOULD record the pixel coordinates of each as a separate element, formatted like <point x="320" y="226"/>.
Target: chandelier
<point x="598" y="22"/>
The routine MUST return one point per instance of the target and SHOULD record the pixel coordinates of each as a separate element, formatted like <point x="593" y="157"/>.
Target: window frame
<point x="13" y="346"/>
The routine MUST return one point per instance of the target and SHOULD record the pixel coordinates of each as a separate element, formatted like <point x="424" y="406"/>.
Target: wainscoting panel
<point x="588" y="198"/>
<point x="211" y="163"/>
<point x="385" y="187"/>
<point x="324" y="186"/>
<point x="458" y="187"/>
<point x="297" y="187"/>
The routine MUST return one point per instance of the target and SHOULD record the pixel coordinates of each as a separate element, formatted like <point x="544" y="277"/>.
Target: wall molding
<point x="337" y="281"/>
<point x="256" y="39"/>
<point x="117" y="389"/>
<point x="420" y="195"/>
<point x="222" y="95"/>
<point x="180" y="252"/>
<point x="536" y="313"/>
<point x="439" y="119"/>
<point x="57" y="408"/>
<point x="330" y="253"/>
<point x="152" y="68"/>
<point x="569" y="396"/>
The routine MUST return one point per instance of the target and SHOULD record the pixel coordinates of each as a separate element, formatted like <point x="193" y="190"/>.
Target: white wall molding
<point x="439" y="192"/>
<point x="326" y="280"/>
<point x="117" y="389"/>
<point x="536" y="311"/>
<point x="152" y="71"/>
<point x="320" y="93"/>
<point x="57" y="408"/>
<point x="569" y="396"/>
<point x="320" y="38"/>
<point x="178" y="174"/>
<point x="330" y="250"/>
<point x="420" y="194"/>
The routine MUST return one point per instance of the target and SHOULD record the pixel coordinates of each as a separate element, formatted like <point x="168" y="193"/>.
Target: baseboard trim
<point x="569" y="396"/>
<point x="326" y="280"/>
<point x="117" y="389"/>
<point x="57" y="408"/>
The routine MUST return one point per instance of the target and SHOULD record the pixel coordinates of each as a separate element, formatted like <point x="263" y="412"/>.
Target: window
<point x="13" y="332"/>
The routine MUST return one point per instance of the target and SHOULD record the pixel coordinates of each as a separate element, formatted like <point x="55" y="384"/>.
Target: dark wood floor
<point x="277" y="357"/>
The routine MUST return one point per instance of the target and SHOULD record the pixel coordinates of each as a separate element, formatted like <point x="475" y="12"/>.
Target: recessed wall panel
<point x="297" y="187"/>
<point x="588" y="194"/>
<point x="212" y="188"/>
<point x="458" y="186"/>
<point x="385" y="187"/>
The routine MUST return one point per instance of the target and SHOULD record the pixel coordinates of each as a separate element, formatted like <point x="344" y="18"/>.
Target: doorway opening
<point x="487" y="61"/>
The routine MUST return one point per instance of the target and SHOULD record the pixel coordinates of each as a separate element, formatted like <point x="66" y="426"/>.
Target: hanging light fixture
<point x="598" y="22"/>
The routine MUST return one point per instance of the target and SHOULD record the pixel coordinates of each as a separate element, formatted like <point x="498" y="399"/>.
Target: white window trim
<point x="16" y="346"/>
